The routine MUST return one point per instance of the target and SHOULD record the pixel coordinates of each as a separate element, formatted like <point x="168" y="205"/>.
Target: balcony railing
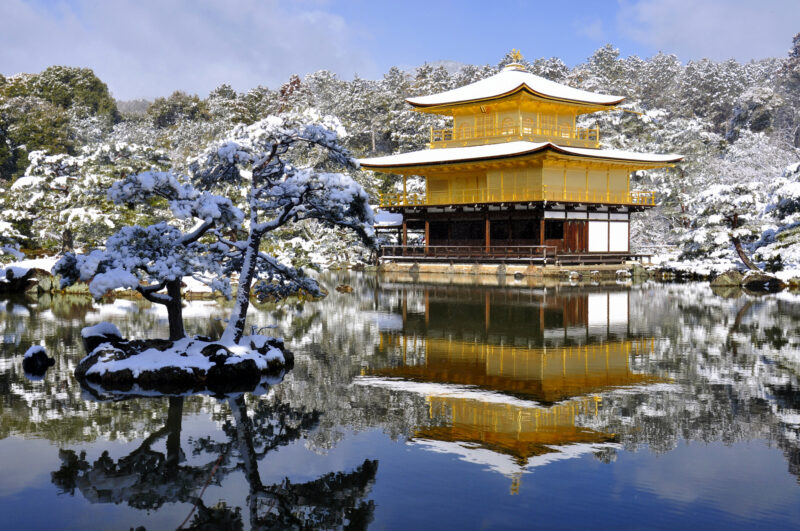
<point x="483" y="195"/>
<point x="558" y="134"/>
<point x="544" y="254"/>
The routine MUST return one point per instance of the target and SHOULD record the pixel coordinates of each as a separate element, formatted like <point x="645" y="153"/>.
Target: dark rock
<point x="37" y="363"/>
<point x="14" y="284"/>
<point x="92" y="342"/>
<point x="729" y="278"/>
<point x="217" y="354"/>
<point x="758" y="282"/>
<point x="224" y="378"/>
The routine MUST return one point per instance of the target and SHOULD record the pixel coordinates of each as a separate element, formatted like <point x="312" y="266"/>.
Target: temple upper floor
<point x="494" y="126"/>
<point x="514" y="105"/>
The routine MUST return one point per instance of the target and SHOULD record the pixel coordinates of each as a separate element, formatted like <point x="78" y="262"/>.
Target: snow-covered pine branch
<point x="149" y="259"/>
<point x="260" y="157"/>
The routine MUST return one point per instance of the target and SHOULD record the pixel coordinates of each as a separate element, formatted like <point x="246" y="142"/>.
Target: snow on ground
<point x="45" y="263"/>
<point x="19" y="268"/>
<point x="195" y="286"/>
<point x="701" y="267"/>
<point x="12" y="271"/>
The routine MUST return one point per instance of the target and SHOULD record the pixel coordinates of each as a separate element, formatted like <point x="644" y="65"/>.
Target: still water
<point x="417" y="405"/>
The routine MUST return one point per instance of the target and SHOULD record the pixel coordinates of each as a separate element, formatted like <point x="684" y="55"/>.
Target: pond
<point x="425" y="403"/>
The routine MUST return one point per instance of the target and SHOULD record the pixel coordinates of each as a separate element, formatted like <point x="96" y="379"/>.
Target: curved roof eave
<point x="521" y="88"/>
<point x="508" y="82"/>
<point x="609" y="155"/>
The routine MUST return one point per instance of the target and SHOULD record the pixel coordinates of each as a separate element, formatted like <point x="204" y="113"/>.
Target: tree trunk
<point x="733" y="220"/>
<point x="67" y="242"/>
<point x="244" y="436"/>
<point x="737" y="244"/>
<point x="235" y="329"/>
<point x="174" y="416"/>
<point x="175" y="310"/>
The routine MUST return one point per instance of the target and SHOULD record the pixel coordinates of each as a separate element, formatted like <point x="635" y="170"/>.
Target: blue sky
<point x="147" y="48"/>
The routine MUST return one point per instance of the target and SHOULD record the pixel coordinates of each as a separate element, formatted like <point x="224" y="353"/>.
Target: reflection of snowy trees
<point x="55" y="407"/>
<point x="735" y="365"/>
<point x="147" y="479"/>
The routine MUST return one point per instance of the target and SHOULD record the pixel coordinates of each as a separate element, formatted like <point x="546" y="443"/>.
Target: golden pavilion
<point x="515" y="178"/>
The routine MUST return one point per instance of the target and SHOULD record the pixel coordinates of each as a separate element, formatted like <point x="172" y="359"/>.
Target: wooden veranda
<point x="520" y="254"/>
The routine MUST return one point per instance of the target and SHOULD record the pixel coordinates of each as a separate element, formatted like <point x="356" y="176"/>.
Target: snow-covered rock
<point x="35" y="360"/>
<point x="188" y="364"/>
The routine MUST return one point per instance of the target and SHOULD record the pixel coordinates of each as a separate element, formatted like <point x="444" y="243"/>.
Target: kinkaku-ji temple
<point x="507" y="396"/>
<point x="515" y="179"/>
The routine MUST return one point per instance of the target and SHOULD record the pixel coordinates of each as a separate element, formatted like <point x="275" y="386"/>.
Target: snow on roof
<point x="508" y="149"/>
<point x="506" y="465"/>
<point x="508" y="81"/>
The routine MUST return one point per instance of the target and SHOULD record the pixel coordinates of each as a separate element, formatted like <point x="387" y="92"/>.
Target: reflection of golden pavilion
<point x="510" y="377"/>
<point x="544" y="374"/>
<point x="516" y="430"/>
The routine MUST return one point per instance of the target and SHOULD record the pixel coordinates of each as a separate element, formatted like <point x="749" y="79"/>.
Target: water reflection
<point x="147" y="479"/>
<point x="486" y="385"/>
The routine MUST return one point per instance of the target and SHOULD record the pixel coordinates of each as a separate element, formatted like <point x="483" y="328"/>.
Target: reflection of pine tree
<point x="147" y="479"/>
<point x="321" y="504"/>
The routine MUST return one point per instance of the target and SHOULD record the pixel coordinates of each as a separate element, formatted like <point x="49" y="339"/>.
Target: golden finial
<point x="516" y="55"/>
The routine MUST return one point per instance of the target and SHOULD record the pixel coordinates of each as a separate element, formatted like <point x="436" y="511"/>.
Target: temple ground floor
<point x="509" y="233"/>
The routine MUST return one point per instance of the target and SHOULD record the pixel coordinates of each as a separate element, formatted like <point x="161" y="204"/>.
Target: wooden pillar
<point x="629" y="236"/>
<point x="541" y="322"/>
<point x="488" y="237"/>
<point x="427" y="308"/>
<point x="628" y="189"/>
<point x="405" y="235"/>
<point x="486" y="312"/>
<point x="405" y="190"/>
<point x="427" y="235"/>
<point x="541" y="230"/>
<point x="586" y="190"/>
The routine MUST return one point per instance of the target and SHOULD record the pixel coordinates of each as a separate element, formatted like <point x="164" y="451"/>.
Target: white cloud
<point x="717" y="29"/>
<point x="592" y="29"/>
<point x="145" y="48"/>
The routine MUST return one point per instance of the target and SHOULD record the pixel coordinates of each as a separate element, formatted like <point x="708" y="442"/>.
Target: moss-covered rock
<point x="727" y="279"/>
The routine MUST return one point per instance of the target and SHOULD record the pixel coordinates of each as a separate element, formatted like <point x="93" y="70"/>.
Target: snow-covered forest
<point x="64" y="140"/>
